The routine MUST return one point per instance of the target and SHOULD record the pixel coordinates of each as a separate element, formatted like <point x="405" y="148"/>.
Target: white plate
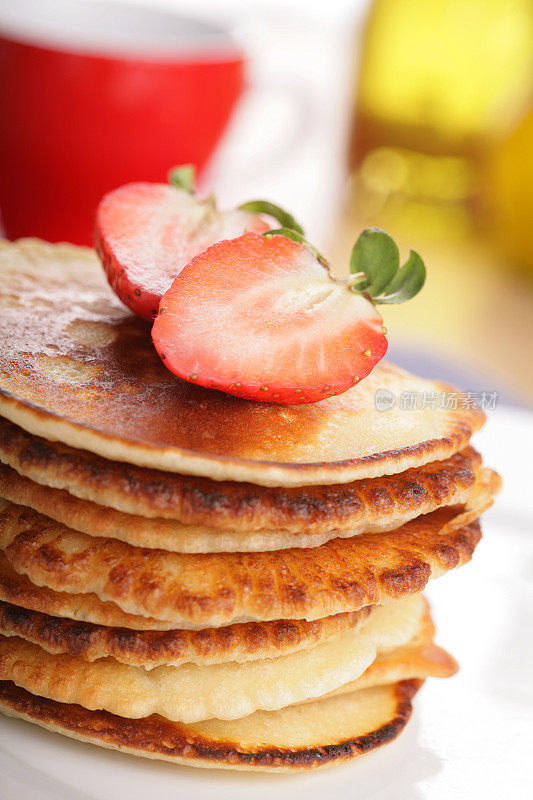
<point x="469" y="736"/>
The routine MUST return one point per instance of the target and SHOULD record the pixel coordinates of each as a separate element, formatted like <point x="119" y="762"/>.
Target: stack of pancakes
<point x="189" y="576"/>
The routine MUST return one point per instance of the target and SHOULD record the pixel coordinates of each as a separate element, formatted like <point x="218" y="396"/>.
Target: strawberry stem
<point x="285" y="219"/>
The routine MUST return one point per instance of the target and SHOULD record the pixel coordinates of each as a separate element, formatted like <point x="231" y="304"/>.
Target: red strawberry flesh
<point x="147" y="232"/>
<point x="261" y="318"/>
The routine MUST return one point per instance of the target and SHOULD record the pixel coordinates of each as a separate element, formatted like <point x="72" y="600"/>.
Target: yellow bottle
<point x="440" y="84"/>
<point x="508" y="187"/>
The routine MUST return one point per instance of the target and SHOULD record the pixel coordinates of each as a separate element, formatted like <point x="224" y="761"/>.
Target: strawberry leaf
<point x="408" y="281"/>
<point x="183" y="177"/>
<point x="285" y="219"/>
<point x="375" y="260"/>
<point x="374" y="253"/>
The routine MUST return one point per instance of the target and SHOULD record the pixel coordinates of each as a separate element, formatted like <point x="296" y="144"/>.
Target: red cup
<point x="93" y="95"/>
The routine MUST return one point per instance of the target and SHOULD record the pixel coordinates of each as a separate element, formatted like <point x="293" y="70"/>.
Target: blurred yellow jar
<point x="442" y="86"/>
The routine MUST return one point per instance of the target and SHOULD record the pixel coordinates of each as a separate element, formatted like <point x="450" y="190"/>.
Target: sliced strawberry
<point x="147" y="232"/>
<point x="261" y="317"/>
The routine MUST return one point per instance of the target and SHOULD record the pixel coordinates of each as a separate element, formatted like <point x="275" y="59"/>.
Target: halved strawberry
<point x="146" y="232"/>
<point x="261" y="317"/>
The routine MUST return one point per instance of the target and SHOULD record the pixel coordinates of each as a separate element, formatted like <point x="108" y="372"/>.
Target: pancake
<point x="192" y="693"/>
<point x="419" y="658"/>
<point x="214" y="589"/>
<point x="173" y="536"/>
<point x="416" y="660"/>
<point x="188" y="693"/>
<point x="237" y="643"/>
<point x="231" y="505"/>
<point x="150" y="648"/>
<point x="77" y="367"/>
<point x="16" y="588"/>
<point x="302" y="737"/>
<point x="86" y="626"/>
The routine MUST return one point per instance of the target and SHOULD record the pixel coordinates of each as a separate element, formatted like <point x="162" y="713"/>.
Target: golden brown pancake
<point x="189" y="693"/>
<point x="77" y="367"/>
<point x="16" y="588"/>
<point x="235" y="506"/>
<point x="419" y="658"/>
<point x="150" y="648"/>
<point x="414" y="660"/>
<point x="192" y="693"/>
<point x="214" y="589"/>
<point x="301" y="737"/>
<point x="412" y="498"/>
<point x="238" y="643"/>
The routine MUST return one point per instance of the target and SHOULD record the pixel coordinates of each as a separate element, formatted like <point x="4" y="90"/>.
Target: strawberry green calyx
<point x="285" y="219"/>
<point x="183" y="177"/>
<point x="375" y="260"/>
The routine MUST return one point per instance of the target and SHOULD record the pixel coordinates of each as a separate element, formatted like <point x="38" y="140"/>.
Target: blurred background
<point x="410" y="115"/>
